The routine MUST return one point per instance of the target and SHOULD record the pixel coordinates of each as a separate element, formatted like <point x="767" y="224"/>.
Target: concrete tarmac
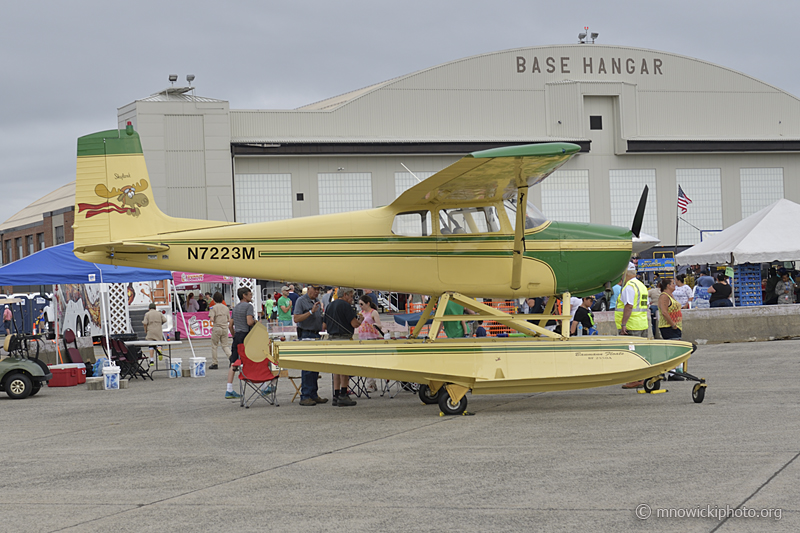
<point x="174" y="455"/>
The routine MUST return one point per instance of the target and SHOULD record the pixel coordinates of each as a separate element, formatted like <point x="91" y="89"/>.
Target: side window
<point x="533" y="216"/>
<point x="468" y="220"/>
<point x="416" y="224"/>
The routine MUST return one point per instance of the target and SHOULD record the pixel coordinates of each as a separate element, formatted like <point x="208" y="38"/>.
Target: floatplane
<point x="466" y="232"/>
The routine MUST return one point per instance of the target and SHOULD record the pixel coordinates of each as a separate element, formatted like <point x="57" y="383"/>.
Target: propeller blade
<point x="638" y="218"/>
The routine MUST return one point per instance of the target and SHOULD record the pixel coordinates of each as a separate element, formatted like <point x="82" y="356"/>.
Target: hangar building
<point x="641" y="117"/>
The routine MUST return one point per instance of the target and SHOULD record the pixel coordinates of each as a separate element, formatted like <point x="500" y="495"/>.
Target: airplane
<point x="466" y="232"/>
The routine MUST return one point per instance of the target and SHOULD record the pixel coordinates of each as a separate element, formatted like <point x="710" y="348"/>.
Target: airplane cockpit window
<point x="416" y="224"/>
<point x="468" y="220"/>
<point x="533" y="216"/>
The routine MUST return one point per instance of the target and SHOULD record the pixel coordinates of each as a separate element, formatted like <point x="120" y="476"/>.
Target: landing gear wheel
<point x="652" y="384"/>
<point x="35" y="387"/>
<point x="17" y="386"/>
<point x="448" y="407"/>
<point x="698" y="393"/>
<point x="428" y="398"/>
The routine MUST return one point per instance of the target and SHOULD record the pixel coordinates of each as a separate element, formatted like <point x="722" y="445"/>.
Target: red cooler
<point x="65" y="375"/>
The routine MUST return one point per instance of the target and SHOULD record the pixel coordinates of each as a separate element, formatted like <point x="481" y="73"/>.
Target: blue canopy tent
<point x="57" y="265"/>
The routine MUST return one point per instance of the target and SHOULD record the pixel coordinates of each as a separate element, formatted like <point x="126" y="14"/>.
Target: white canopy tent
<point x="766" y="236"/>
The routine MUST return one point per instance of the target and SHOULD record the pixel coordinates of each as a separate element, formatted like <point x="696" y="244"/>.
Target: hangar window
<point x="703" y="186"/>
<point x="416" y="224"/>
<point x="468" y="220"/>
<point x="596" y="122"/>
<point x="760" y="187"/>
<point x="626" y="188"/>
<point x="565" y="196"/>
<point x="263" y="197"/>
<point x="344" y="191"/>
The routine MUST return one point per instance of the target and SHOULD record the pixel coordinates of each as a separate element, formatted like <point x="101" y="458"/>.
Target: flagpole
<point x="675" y="252"/>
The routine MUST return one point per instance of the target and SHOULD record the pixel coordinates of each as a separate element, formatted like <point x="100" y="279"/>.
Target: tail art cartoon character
<point x="130" y="196"/>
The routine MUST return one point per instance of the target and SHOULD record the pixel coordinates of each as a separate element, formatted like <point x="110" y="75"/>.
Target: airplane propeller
<point x="638" y="218"/>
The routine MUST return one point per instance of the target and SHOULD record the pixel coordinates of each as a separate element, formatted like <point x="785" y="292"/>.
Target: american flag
<point x="683" y="200"/>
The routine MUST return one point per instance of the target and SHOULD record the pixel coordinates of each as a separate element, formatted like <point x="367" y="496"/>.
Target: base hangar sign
<point x="591" y="65"/>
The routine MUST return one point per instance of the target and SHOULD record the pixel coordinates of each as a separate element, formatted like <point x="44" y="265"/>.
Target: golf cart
<point x="20" y="374"/>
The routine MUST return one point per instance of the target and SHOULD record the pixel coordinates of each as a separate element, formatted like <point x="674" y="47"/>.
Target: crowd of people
<point x="638" y="311"/>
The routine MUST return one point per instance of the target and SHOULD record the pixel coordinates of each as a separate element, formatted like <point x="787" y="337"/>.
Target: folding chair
<point x="114" y="354"/>
<point x="134" y="356"/>
<point x="358" y="386"/>
<point x="387" y="385"/>
<point x="295" y="380"/>
<point x="252" y="377"/>
<point x="74" y="354"/>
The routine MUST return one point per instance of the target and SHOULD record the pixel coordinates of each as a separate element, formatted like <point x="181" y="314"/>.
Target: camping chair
<point x="126" y="369"/>
<point x="134" y="357"/>
<point x="387" y="385"/>
<point x="358" y="386"/>
<point x="252" y="377"/>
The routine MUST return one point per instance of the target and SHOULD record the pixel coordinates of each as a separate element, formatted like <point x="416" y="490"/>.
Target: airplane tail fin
<point x="114" y="205"/>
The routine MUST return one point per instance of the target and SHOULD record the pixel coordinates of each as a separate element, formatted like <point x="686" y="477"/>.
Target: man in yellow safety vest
<point x="631" y="313"/>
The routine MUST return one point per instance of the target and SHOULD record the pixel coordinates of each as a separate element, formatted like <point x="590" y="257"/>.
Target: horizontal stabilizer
<point x="123" y="247"/>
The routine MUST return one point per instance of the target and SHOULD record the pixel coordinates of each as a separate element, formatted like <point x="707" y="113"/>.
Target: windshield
<point x="533" y="216"/>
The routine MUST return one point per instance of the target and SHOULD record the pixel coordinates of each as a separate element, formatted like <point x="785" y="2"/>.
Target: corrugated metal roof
<point x="172" y="97"/>
<point x="336" y="101"/>
<point x="33" y="213"/>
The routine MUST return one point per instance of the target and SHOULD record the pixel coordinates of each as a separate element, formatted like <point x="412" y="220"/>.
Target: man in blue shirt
<point x="613" y="303"/>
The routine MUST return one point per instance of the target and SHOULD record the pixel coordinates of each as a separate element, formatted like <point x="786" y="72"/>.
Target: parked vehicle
<point x="21" y="376"/>
<point x="600" y="302"/>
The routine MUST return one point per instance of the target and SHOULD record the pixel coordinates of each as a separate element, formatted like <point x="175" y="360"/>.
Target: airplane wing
<point x="489" y="174"/>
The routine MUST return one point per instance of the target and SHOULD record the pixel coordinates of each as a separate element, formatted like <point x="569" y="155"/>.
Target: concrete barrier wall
<point x="728" y="324"/>
<point x="47" y="350"/>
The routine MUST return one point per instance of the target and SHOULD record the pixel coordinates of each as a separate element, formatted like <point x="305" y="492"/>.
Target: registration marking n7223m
<point x="221" y="252"/>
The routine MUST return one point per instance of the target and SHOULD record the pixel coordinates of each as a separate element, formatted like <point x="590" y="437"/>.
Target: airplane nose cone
<point x="644" y="242"/>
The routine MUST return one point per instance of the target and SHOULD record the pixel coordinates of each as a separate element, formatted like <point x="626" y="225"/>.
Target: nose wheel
<point x="698" y="391"/>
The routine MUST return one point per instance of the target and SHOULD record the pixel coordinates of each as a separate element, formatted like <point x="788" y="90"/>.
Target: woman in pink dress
<point x="368" y="330"/>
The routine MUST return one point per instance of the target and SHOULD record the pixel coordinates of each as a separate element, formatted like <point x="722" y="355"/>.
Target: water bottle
<point x="580" y="328"/>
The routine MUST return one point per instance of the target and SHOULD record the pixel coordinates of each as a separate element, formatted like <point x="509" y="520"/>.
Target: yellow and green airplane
<point x="466" y="232"/>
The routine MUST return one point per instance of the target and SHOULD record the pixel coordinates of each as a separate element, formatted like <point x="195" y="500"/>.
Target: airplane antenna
<point x="223" y="209"/>
<point x="409" y="171"/>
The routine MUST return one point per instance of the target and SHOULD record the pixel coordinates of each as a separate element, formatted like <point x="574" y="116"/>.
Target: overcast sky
<point x="68" y="65"/>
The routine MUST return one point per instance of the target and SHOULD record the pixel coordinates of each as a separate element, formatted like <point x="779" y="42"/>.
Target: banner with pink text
<point x="198" y="323"/>
<point x="190" y="278"/>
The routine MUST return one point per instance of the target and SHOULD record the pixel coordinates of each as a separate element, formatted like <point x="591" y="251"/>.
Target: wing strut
<point x="519" y="227"/>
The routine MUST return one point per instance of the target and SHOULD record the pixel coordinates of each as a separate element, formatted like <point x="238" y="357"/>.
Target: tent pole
<point x="58" y="349"/>
<point x="105" y="305"/>
<point x="183" y="318"/>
